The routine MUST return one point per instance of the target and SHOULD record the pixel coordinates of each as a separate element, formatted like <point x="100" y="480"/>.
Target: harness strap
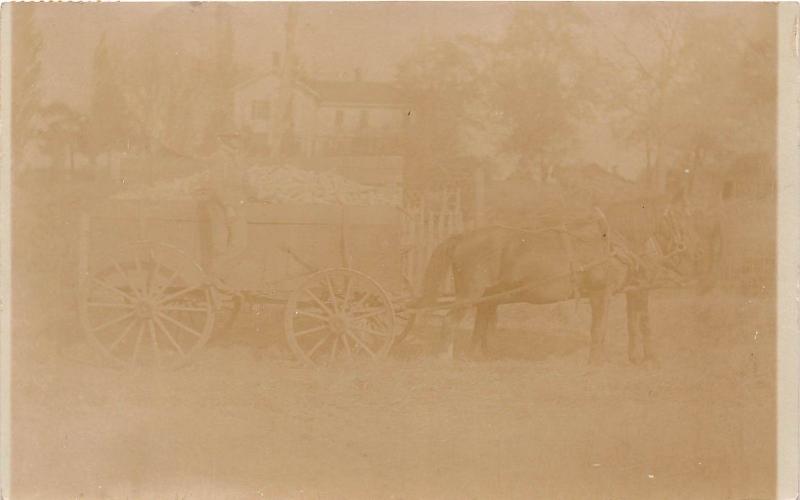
<point x="567" y="241"/>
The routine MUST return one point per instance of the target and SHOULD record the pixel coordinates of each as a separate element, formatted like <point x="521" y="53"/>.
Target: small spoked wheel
<point x="339" y="314"/>
<point x="149" y="306"/>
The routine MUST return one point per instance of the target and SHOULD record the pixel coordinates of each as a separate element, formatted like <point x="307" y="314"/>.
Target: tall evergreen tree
<point x="222" y="79"/>
<point x="108" y="121"/>
<point x="25" y="73"/>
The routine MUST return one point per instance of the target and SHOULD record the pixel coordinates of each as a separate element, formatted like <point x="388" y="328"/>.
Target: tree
<point x="177" y="81"/>
<point x="59" y="138"/>
<point x="649" y="71"/>
<point x="108" y="127"/>
<point x="704" y="92"/>
<point x="543" y="82"/>
<point x="727" y="93"/>
<point x="223" y="78"/>
<point x="25" y="74"/>
<point x="441" y="81"/>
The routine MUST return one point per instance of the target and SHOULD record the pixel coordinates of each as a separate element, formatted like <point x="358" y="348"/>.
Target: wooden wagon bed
<point x="283" y="240"/>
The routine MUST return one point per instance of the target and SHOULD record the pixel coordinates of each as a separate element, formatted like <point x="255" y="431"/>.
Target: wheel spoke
<point x="124" y="334"/>
<point x="183" y="308"/>
<point x="311" y="315"/>
<point x="347" y="288"/>
<point x="333" y="350"/>
<point x="382" y="321"/>
<point x="160" y="292"/>
<point x="347" y="347"/>
<point x="333" y="295"/>
<point x="138" y="266"/>
<point x="310" y="330"/>
<point x="138" y="342"/>
<point x="314" y="297"/>
<point x="370" y="331"/>
<point x="175" y="295"/>
<point x="112" y="322"/>
<point x="114" y="289"/>
<point x="127" y="278"/>
<point x="362" y="300"/>
<point x="110" y="305"/>
<point x="172" y="341"/>
<point x="179" y="324"/>
<point x="317" y="346"/>
<point x="361" y="343"/>
<point x="153" y="273"/>
<point x="151" y="327"/>
<point x="376" y="312"/>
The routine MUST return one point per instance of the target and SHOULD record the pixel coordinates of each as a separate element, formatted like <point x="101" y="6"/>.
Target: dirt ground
<point x="246" y="421"/>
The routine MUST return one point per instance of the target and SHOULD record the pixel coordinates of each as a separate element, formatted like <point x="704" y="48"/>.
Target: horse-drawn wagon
<point x="338" y="271"/>
<point x="147" y="299"/>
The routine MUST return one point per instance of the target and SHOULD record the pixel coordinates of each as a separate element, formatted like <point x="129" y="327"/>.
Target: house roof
<point x="342" y="92"/>
<point x="595" y="183"/>
<point x="357" y="92"/>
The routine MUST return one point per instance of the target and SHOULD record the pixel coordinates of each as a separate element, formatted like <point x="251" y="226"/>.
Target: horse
<point x="497" y="265"/>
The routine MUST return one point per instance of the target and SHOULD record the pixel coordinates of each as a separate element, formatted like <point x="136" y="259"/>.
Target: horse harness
<point x="614" y="250"/>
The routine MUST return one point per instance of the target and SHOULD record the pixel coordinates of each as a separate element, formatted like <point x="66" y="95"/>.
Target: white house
<point x="353" y="117"/>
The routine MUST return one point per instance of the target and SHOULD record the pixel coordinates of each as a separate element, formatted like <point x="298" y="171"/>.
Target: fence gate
<point x="431" y="217"/>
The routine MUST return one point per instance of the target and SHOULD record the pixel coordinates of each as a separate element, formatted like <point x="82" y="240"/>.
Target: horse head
<point x="689" y="243"/>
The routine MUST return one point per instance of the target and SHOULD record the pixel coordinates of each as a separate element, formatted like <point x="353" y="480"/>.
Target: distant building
<point x="329" y="118"/>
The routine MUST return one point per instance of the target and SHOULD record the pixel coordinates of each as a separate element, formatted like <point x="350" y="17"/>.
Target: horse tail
<point x="715" y="254"/>
<point x="437" y="270"/>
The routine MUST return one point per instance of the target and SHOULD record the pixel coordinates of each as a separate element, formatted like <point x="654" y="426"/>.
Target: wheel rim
<point x="147" y="308"/>
<point x="339" y="314"/>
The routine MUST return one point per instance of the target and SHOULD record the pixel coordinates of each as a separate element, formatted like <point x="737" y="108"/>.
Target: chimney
<point x="357" y="74"/>
<point x="276" y="60"/>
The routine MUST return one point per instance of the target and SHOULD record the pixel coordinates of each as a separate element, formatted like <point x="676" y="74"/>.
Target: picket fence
<point x="430" y="218"/>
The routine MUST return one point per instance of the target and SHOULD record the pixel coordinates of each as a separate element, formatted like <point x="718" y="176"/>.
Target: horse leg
<point x="449" y="325"/>
<point x="644" y="327"/>
<point x="633" y="302"/>
<point x="599" y="301"/>
<point x="491" y="327"/>
<point x="485" y="325"/>
<point x="481" y="325"/>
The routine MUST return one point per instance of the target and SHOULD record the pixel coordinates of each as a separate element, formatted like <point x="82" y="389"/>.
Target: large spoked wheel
<point x="339" y="314"/>
<point x="149" y="306"/>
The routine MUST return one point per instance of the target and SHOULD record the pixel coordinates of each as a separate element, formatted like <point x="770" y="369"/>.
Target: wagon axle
<point x="145" y="309"/>
<point x="338" y="324"/>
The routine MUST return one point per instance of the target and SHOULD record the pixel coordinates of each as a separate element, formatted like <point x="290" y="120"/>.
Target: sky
<point x="332" y="39"/>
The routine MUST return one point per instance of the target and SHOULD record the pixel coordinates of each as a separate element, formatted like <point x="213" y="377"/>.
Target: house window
<point x="363" y="120"/>
<point x="260" y="110"/>
<point x="339" y="118"/>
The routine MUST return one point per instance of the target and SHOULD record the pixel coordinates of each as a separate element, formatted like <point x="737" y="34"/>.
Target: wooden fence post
<point x="479" y="186"/>
<point x="84" y="233"/>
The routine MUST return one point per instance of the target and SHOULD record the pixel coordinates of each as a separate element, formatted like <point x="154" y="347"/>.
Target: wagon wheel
<point x="339" y="314"/>
<point x="148" y="307"/>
